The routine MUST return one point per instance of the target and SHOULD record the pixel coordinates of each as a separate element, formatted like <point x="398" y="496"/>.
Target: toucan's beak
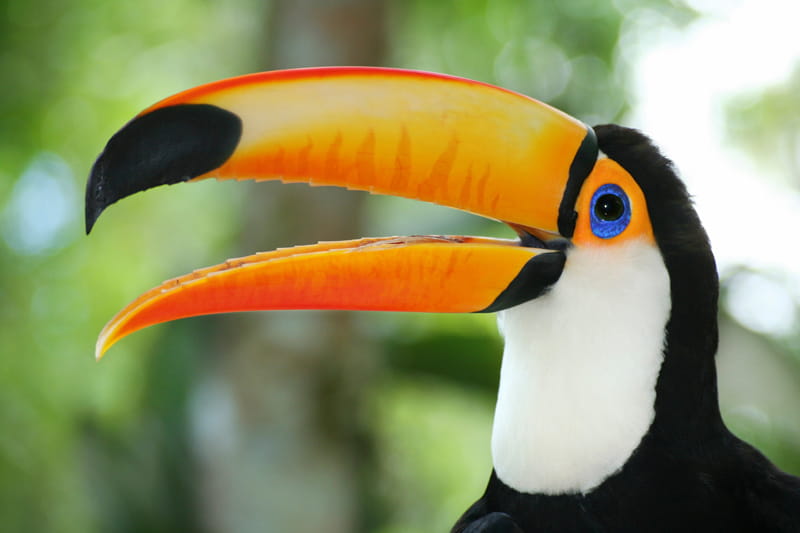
<point x="429" y="137"/>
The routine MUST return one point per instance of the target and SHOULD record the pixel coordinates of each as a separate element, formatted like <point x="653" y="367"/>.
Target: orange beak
<point x="417" y="135"/>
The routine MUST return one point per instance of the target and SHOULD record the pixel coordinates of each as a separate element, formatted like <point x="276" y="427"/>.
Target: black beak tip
<point x="168" y="145"/>
<point x="94" y="204"/>
<point x="91" y="218"/>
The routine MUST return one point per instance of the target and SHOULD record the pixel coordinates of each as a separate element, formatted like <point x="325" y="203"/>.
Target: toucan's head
<point x="561" y="185"/>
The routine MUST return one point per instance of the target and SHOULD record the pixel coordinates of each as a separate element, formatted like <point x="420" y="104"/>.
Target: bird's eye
<point x="610" y="212"/>
<point x="609" y="207"/>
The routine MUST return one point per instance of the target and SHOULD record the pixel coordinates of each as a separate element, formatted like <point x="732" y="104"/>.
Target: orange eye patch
<point x="611" y="207"/>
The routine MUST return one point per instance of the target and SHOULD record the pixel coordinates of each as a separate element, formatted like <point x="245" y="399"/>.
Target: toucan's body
<point x="607" y="416"/>
<point x="731" y="487"/>
<point x="688" y="472"/>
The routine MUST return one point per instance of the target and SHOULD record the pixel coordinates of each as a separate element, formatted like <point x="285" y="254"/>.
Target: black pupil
<point x="609" y="207"/>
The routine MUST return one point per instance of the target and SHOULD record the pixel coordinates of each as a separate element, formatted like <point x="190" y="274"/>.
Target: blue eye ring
<point x="610" y="211"/>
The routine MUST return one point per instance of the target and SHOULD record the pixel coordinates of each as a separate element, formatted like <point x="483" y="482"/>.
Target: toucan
<point x="607" y="416"/>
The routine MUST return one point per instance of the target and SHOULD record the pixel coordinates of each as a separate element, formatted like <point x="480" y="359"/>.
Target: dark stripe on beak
<point x="538" y="275"/>
<point x="168" y="145"/>
<point x="579" y="170"/>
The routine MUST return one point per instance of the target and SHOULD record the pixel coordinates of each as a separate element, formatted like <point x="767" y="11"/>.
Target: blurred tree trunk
<point x="282" y="448"/>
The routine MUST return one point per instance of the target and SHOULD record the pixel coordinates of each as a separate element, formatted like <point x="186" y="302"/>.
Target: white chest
<point x="577" y="385"/>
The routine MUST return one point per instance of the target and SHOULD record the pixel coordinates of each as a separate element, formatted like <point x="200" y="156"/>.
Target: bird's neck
<point x="580" y="367"/>
<point x="687" y="404"/>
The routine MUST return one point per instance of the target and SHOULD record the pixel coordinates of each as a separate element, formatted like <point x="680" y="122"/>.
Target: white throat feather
<point x="580" y="365"/>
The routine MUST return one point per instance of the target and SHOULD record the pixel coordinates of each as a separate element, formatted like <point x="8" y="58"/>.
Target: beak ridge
<point x="417" y="135"/>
